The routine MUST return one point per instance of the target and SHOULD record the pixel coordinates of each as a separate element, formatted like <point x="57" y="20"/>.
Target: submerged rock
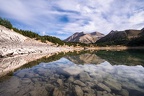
<point x="57" y="92"/>
<point x="21" y="74"/>
<point x="113" y="85"/>
<point x="26" y="80"/>
<point x="104" y="87"/>
<point x="70" y="79"/>
<point x="39" y="91"/>
<point x="84" y="76"/>
<point x="60" y="82"/>
<point x="124" y="92"/>
<point x="78" y="82"/>
<point x="78" y="91"/>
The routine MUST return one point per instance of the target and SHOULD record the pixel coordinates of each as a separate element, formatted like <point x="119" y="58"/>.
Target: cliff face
<point x="84" y="37"/>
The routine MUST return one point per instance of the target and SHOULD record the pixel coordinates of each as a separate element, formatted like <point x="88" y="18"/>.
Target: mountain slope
<point x="8" y="36"/>
<point x="119" y="37"/>
<point x="139" y="41"/>
<point x="84" y="37"/>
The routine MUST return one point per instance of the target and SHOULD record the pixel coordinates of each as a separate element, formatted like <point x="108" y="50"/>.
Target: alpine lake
<point x="86" y="73"/>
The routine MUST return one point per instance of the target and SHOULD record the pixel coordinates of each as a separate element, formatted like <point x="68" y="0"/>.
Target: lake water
<point x="101" y="73"/>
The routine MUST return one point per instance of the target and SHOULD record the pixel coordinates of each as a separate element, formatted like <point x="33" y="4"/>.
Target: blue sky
<point x="62" y="18"/>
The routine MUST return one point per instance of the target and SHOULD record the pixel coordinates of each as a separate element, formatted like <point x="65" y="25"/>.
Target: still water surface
<point x="101" y="73"/>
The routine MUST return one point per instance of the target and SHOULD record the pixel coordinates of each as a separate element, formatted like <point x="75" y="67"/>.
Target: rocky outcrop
<point x="84" y="37"/>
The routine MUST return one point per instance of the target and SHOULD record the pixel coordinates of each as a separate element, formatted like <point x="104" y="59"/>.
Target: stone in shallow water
<point x="78" y="82"/>
<point x="39" y="91"/>
<point x="78" y="91"/>
<point x="84" y="76"/>
<point x="113" y="85"/>
<point x="70" y="79"/>
<point x="60" y="82"/>
<point x="124" y="92"/>
<point x="26" y="80"/>
<point x="90" y="84"/>
<point x="21" y="74"/>
<point x="87" y="94"/>
<point x="14" y="82"/>
<point x="104" y="87"/>
<point x="57" y="92"/>
<point x="30" y="75"/>
<point x="99" y="93"/>
<point x="49" y="87"/>
<point x="88" y="90"/>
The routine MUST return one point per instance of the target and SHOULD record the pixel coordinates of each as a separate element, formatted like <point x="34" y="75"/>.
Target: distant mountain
<point x="85" y="37"/>
<point x="119" y="37"/>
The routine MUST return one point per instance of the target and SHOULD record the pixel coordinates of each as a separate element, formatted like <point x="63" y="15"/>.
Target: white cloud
<point x="83" y="15"/>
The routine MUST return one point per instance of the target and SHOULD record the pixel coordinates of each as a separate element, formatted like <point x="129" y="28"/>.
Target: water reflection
<point x="87" y="58"/>
<point x="66" y="78"/>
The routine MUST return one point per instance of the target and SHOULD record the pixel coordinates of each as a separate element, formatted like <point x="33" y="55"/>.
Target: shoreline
<point x="114" y="48"/>
<point x="9" y="64"/>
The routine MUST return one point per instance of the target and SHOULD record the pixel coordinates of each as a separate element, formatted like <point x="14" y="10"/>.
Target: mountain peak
<point x="85" y="37"/>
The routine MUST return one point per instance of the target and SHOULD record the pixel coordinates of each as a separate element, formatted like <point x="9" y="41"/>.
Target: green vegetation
<point x="26" y="33"/>
<point x="38" y="37"/>
<point x="137" y="41"/>
<point x="116" y="42"/>
<point x="114" y="38"/>
<point x="5" y="23"/>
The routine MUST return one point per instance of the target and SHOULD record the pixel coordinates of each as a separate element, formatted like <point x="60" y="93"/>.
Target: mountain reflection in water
<point x="101" y="73"/>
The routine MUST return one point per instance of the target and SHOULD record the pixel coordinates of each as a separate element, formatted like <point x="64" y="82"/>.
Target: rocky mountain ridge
<point x="86" y="38"/>
<point x="120" y="37"/>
